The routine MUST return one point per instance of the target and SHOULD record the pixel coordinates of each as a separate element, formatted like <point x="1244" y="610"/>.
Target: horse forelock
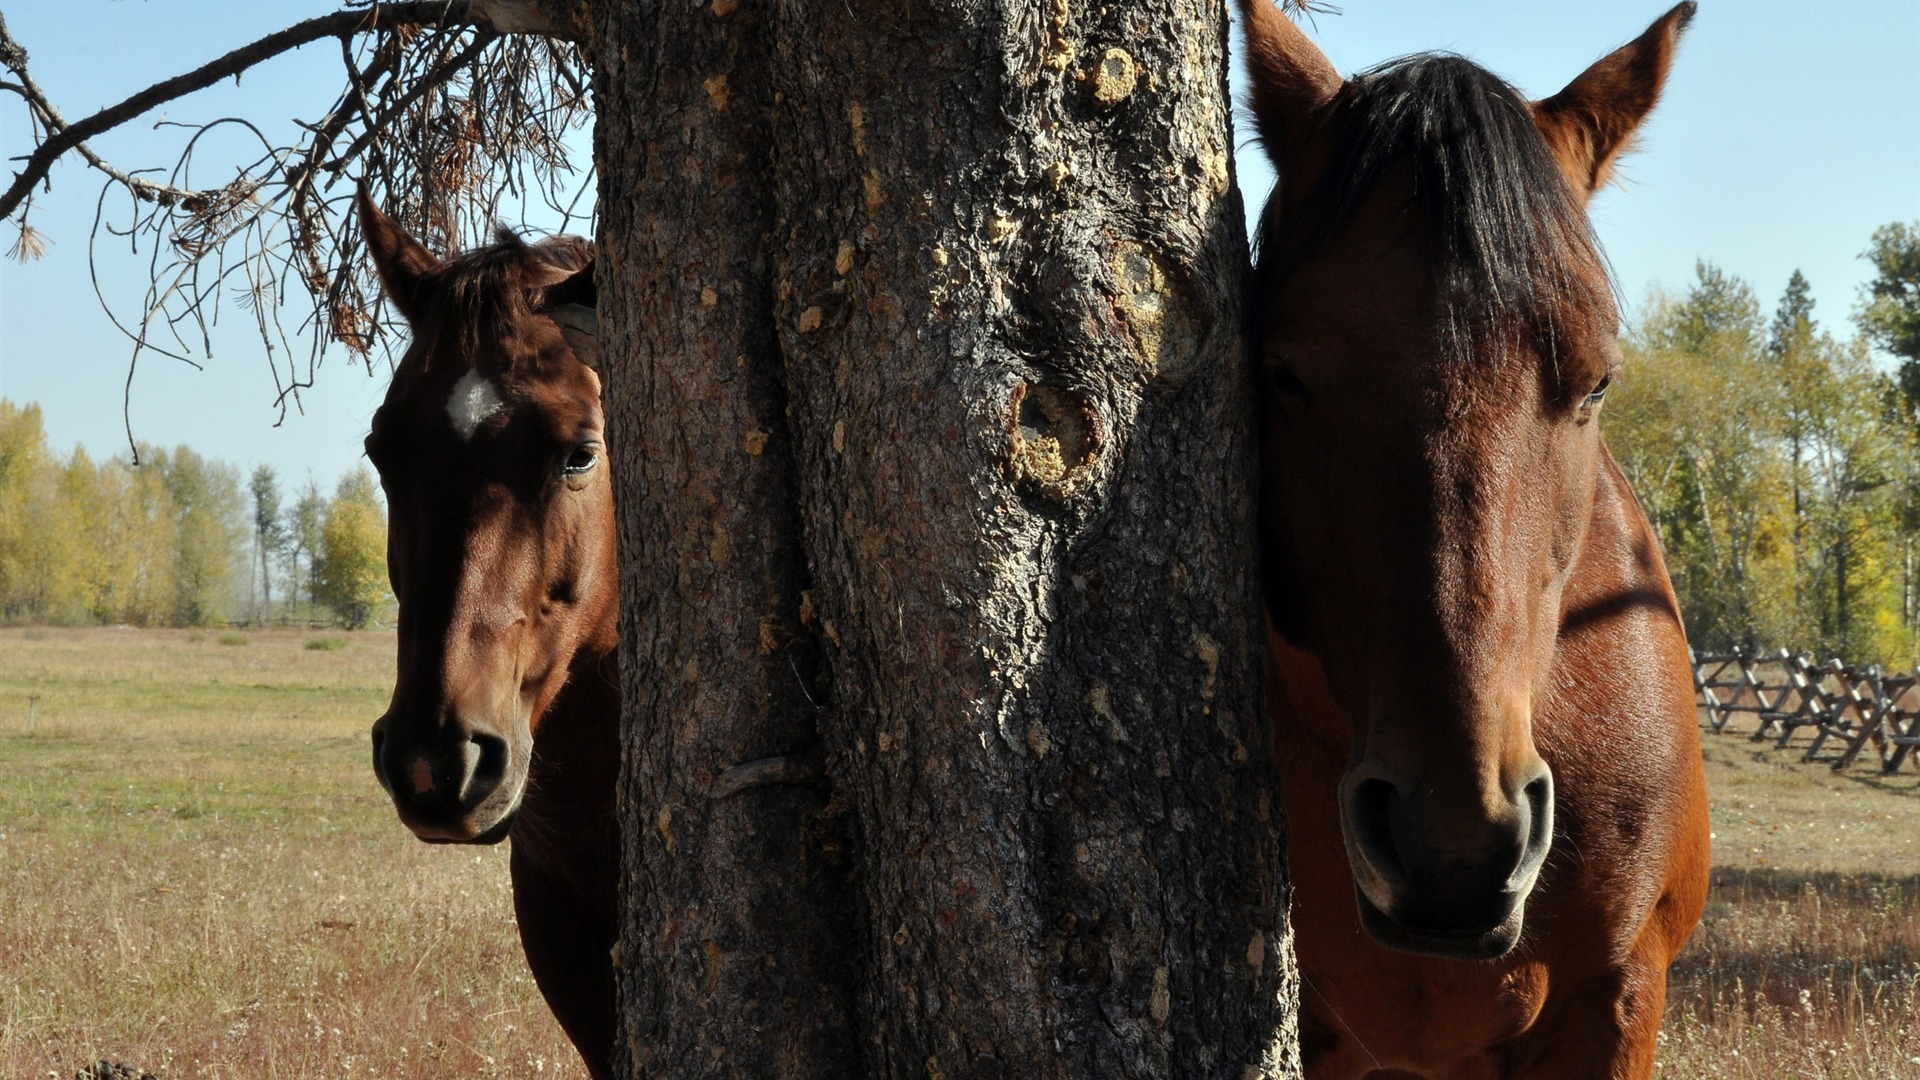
<point x="1511" y="244"/>
<point x="480" y="301"/>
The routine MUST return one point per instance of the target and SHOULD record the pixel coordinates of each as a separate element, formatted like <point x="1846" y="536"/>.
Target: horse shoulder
<point x="1620" y="729"/>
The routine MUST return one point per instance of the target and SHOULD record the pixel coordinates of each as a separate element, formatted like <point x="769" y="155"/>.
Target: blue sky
<point x="1785" y="137"/>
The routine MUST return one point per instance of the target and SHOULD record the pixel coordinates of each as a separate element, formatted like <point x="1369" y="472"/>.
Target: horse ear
<point x="1293" y="81"/>
<point x="401" y="260"/>
<point x="545" y="276"/>
<point x="1589" y="124"/>
<point x="572" y="301"/>
<point x="580" y="325"/>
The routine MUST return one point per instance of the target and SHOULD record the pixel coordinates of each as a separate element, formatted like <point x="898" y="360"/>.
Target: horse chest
<point x="1370" y="1007"/>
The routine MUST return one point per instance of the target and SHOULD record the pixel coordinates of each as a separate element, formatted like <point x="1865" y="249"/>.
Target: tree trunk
<point x="734" y="954"/>
<point x="933" y="449"/>
<point x="265" y="611"/>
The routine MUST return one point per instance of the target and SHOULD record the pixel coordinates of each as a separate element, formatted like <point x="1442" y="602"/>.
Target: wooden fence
<point x="1843" y="708"/>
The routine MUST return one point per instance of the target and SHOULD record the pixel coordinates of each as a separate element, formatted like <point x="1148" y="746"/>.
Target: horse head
<point x="1435" y="332"/>
<point x="490" y="446"/>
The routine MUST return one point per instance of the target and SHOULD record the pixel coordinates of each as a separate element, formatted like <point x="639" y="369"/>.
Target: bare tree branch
<point x="446" y="107"/>
<point x="49" y="119"/>
<point x="63" y="137"/>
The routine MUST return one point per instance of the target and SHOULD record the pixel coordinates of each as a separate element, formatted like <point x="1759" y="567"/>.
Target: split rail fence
<point x="1845" y="709"/>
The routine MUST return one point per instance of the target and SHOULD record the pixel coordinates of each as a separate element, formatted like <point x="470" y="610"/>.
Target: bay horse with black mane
<point x="505" y="714"/>
<point x="1479" y="679"/>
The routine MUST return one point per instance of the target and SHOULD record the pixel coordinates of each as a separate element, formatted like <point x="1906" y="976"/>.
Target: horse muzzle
<point x="457" y="783"/>
<point x="1440" y="884"/>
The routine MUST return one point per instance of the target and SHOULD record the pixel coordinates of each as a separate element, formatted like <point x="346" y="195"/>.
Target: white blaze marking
<point x="474" y="399"/>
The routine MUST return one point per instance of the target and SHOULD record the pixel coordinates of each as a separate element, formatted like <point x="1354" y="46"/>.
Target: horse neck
<point x="1620" y="569"/>
<point x="567" y="814"/>
<point x="582" y="724"/>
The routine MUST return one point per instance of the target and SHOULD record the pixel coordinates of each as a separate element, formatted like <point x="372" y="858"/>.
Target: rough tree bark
<point x="734" y="955"/>
<point x="943" y="751"/>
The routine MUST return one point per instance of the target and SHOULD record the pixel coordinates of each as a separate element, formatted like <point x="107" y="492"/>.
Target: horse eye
<point x="1287" y="384"/>
<point x="1599" y="393"/>
<point x="581" y="461"/>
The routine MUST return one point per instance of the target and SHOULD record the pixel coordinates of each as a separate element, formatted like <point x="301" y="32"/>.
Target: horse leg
<point x="568" y="946"/>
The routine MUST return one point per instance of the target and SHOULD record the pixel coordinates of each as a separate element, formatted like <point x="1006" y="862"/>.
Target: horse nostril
<point x="1539" y="796"/>
<point x="379" y="766"/>
<point x="1537" y="792"/>
<point x="487" y="760"/>
<point x="1371" y="812"/>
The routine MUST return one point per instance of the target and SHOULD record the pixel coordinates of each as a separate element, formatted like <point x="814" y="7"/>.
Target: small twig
<point x="469" y="1049"/>
<point x="376" y="126"/>
<point x="47" y="119"/>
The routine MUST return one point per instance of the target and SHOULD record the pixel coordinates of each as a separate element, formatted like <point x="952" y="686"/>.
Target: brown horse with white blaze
<point x="1478" y="674"/>
<point x="504" y="720"/>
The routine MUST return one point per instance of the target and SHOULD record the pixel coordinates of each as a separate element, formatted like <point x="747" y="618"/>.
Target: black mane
<point x="1507" y="232"/>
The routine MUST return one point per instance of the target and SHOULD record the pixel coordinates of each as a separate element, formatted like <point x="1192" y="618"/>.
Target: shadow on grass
<point x="1865" y="770"/>
<point x="1902" y="785"/>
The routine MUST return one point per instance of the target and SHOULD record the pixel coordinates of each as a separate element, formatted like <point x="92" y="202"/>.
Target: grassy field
<point x="199" y="876"/>
<point x="1807" y="963"/>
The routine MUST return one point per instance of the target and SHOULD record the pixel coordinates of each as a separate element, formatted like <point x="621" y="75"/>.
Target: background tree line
<point x="1780" y="463"/>
<point x="178" y="540"/>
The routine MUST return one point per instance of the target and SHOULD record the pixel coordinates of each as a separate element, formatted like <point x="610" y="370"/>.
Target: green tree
<point x="37" y="564"/>
<point x="1793" y="319"/>
<point x="209" y="514"/>
<point x="134" y="536"/>
<point x="1905" y="499"/>
<point x="22" y="454"/>
<point x="269" y="531"/>
<point x="79" y="483"/>
<point x="1693" y="427"/>
<point x="1855" y="475"/>
<point x="1719" y="312"/>
<point x="350" y="574"/>
<point x="165" y="542"/>
<point x="1890" y="305"/>
<point x="1806" y="386"/>
<point x="1776" y="468"/>
<point x="304" y="522"/>
<point x="1889" y="316"/>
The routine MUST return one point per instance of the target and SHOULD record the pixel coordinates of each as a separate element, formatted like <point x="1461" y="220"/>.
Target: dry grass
<point x="1807" y="963"/>
<point x="201" y="878"/>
